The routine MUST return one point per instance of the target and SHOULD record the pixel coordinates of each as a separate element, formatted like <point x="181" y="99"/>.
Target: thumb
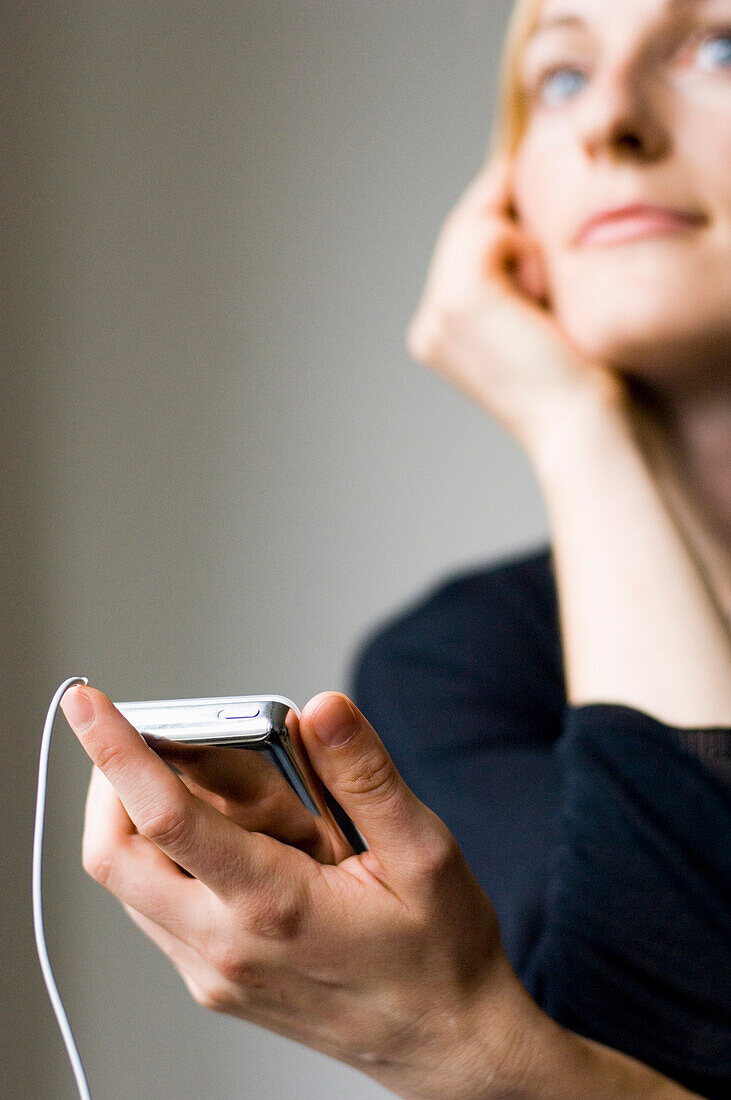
<point x="352" y="762"/>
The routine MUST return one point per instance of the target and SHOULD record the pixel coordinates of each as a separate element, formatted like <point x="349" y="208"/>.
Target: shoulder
<point x="511" y="596"/>
<point x="483" y="643"/>
<point x="465" y="687"/>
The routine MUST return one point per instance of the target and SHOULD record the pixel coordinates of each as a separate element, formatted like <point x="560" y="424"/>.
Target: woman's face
<point x="629" y="124"/>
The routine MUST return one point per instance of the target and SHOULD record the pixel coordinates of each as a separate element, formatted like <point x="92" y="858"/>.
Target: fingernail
<point x="78" y="708"/>
<point x="334" y="721"/>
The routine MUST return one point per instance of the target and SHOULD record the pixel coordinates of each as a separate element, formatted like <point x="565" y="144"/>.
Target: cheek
<point x="542" y="184"/>
<point x="548" y="196"/>
<point x="704" y="145"/>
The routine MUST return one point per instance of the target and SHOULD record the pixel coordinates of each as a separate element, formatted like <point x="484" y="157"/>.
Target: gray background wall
<point x="220" y="467"/>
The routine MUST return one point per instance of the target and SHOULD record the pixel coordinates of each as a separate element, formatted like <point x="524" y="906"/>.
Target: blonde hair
<point x="512" y="107"/>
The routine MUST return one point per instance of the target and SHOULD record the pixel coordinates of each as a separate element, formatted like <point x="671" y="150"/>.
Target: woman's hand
<point x="390" y="961"/>
<point x="484" y="321"/>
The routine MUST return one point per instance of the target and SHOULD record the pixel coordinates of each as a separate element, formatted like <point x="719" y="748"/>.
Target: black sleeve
<point x="635" y="950"/>
<point x="466" y="690"/>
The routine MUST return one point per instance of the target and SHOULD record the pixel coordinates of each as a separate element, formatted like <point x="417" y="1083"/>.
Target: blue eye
<point x="561" y="84"/>
<point x="715" y="52"/>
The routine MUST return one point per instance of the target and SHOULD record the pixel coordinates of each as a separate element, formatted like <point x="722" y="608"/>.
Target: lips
<point x="630" y="223"/>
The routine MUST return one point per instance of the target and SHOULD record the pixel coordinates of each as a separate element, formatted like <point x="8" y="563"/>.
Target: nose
<point x="621" y="120"/>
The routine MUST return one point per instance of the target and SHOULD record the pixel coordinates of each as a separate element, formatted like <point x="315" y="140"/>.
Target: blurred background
<point x="220" y="469"/>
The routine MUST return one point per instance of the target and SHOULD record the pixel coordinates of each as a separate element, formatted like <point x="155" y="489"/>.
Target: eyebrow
<point x="553" y="21"/>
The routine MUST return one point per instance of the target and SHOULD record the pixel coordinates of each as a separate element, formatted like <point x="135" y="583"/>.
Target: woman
<point x="580" y="292"/>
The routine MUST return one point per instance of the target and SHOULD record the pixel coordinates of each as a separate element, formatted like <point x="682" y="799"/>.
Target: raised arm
<point x="639" y="626"/>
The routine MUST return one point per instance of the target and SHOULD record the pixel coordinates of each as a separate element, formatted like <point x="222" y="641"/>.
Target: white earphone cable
<point x="38" y="928"/>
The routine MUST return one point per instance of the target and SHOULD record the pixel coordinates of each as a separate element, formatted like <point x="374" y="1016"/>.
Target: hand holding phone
<point x="487" y="323"/>
<point x="343" y="957"/>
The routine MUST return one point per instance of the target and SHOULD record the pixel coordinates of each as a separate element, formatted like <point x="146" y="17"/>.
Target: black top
<point x="600" y="833"/>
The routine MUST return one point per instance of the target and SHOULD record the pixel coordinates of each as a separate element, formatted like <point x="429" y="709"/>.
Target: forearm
<point x="504" y="1047"/>
<point x="638" y="625"/>
<point x="556" y="1064"/>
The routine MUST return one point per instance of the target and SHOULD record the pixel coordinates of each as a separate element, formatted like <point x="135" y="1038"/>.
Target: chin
<point x="669" y="358"/>
<point x="660" y="344"/>
<point x="640" y="311"/>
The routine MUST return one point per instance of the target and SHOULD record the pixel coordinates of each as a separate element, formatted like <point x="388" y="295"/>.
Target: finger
<point x="499" y="246"/>
<point x="189" y="831"/>
<point x="514" y="259"/>
<point x="199" y="976"/>
<point x="531" y="276"/>
<point x="102" y="804"/>
<point x="351" y="760"/>
<point x="117" y="822"/>
<point x="493" y="253"/>
<point x="133" y="869"/>
<point x="493" y="256"/>
<point x="491" y="191"/>
<point x="248" y="993"/>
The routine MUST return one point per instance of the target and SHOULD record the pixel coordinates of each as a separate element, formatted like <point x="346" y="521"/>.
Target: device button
<point x="242" y="710"/>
